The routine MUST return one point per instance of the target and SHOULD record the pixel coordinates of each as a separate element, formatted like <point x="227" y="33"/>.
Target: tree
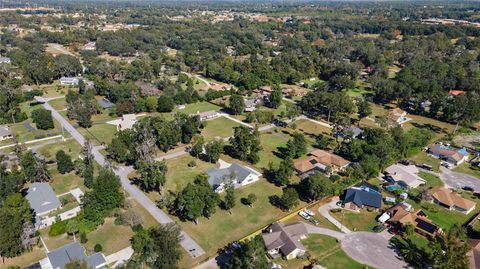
<point x="131" y="217"/>
<point x="237" y="104"/>
<point x="316" y="187"/>
<point x="296" y="146"/>
<point x="158" y="247"/>
<point x="67" y="65"/>
<point x="151" y="103"/>
<point x="364" y="109"/>
<point x="251" y="199"/>
<point x="34" y="170"/>
<point x="284" y="172"/>
<point x="197" y="145"/>
<point x="152" y="174"/>
<point x="43" y="118"/>
<point x="450" y="251"/>
<point x="250" y="255"/>
<point x="229" y="201"/>
<point x="88" y="164"/>
<point x="245" y="144"/>
<point x="275" y="98"/>
<point x="289" y="199"/>
<point x="72" y="228"/>
<point x="64" y="162"/>
<point x="165" y="104"/>
<point x="213" y="150"/>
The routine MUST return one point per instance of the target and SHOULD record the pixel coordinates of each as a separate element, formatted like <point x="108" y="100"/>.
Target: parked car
<point x="446" y="165"/>
<point x="314" y="222"/>
<point x="304" y="215"/>
<point x="309" y="212"/>
<point x="393" y="231"/>
<point x="280" y="123"/>
<point x="468" y="188"/>
<point x="427" y="167"/>
<point x="379" y="228"/>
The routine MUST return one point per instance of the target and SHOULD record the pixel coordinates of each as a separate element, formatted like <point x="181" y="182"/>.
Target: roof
<point x="400" y="214"/>
<point x="398" y="112"/>
<point x="127" y="121"/>
<point x="250" y="102"/>
<point x="42" y="199"/>
<point x="105" y="103"/>
<point x="330" y="159"/>
<point x="73" y="251"/>
<point x="235" y="172"/>
<point x="5" y="131"/>
<point x="447" y="152"/>
<point x="69" y="79"/>
<point x="285" y="237"/>
<point x="456" y="92"/>
<point x="308" y="164"/>
<point x="4" y="59"/>
<point x="207" y="114"/>
<point x="449" y="198"/>
<point x="474" y="253"/>
<point x="406" y="174"/>
<point x="363" y="197"/>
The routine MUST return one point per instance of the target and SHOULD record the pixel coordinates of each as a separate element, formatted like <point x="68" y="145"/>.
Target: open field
<point x="357" y="221"/>
<point x="58" y="104"/>
<point x="326" y="251"/>
<point x="112" y="237"/>
<point x="270" y="142"/>
<point x="102" y="133"/>
<point x="71" y="147"/>
<point x="219" y="128"/>
<point x="468" y="169"/>
<point x="26" y="259"/>
<point x="179" y="174"/>
<point x="431" y="179"/>
<point x="198" y="107"/>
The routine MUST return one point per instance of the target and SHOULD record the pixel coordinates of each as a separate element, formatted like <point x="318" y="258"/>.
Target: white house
<point x="235" y="174"/>
<point x="69" y="81"/>
<point x="5" y="133"/>
<point x="405" y="175"/>
<point x="5" y="60"/>
<point x="208" y="115"/>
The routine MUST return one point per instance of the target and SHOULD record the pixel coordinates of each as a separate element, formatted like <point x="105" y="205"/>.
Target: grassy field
<point x="179" y="174"/>
<point x="423" y="158"/>
<point x="100" y="133"/>
<point x="198" y="107"/>
<point x="431" y="179"/>
<point x="26" y="259"/>
<point x="326" y="251"/>
<point x="58" y="104"/>
<point x="223" y="227"/>
<point x="54" y="242"/>
<point x="361" y="221"/>
<point x="71" y="147"/>
<point x="112" y="237"/>
<point x="468" y="169"/>
<point x="270" y="142"/>
<point x="63" y="183"/>
<point x="312" y="129"/>
<point x="219" y="128"/>
<point x="357" y="92"/>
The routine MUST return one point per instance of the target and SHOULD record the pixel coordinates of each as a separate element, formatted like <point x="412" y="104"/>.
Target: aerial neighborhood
<point x="239" y="134"/>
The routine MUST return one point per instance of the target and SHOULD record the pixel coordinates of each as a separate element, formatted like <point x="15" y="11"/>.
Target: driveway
<point x="458" y="180"/>
<point x="324" y="231"/>
<point x="373" y="249"/>
<point x="325" y="212"/>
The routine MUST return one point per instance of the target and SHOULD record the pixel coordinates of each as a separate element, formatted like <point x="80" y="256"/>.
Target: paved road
<point x="187" y="243"/>
<point x="373" y="249"/>
<point x="325" y="212"/>
<point x="324" y="231"/>
<point x="458" y="180"/>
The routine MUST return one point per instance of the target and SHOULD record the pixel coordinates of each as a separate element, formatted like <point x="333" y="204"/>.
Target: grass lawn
<point x="58" y="104"/>
<point x="423" y="158"/>
<point x="357" y="92"/>
<point x="100" y="133"/>
<point x="26" y="259"/>
<point x="312" y="129"/>
<point x="223" y="227"/>
<point x="198" y="107"/>
<point x="361" y="221"/>
<point x="53" y="90"/>
<point x="219" y="127"/>
<point x="112" y="237"/>
<point x="270" y="142"/>
<point x="64" y="183"/>
<point x="468" y="169"/>
<point x="179" y="174"/>
<point x="326" y="251"/>
<point x="54" y="242"/>
<point x="148" y="220"/>
<point x="71" y="147"/>
<point x="431" y="179"/>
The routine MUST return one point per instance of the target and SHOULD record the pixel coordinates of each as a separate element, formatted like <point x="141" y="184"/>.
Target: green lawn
<point x="100" y="133"/>
<point x="423" y="158"/>
<point x="219" y="128"/>
<point x="326" y="251"/>
<point x="198" y="107"/>
<point x="112" y="237"/>
<point x="58" y="104"/>
<point x="179" y="174"/>
<point x="63" y="183"/>
<point x="468" y="169"/>
<point x="223" y="228"/>
<point x="312" y="129"/>
<point x="71" y="147"/>
<point x="431" y="179"/>
<point x="357" y="92"/>
<point x="357" y="221"/>
<point x="270" y="142"/>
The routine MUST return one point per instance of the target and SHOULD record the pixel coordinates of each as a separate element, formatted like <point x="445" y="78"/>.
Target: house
<point x="398" y="116"/>
<point x="5" y="133"/>
<point x="208" y="115"/>
<point x="404" y="175"/>
<point x="361" y="197"/>
<point x="319" y="160"/>
<point x="5" y="60"/>
<point x="69" y="81"/>
<point x="448" y="154"/>
<point x="281" y="239"/>
<point x="105" y="103"/>
<point x="10" y="161"/>
<point x="126" y="122"/>
<point x="235" y="174"/>
<point x="90" y="46"/>
<point x="453" y="201"/>
<point x="474" y="253"/>
<point x="402" y="214"/>
<point x="42" y="198"/>
<point x="58" y="258"/>
<point x="250" y="105"/>
<point x="455" y="93"/>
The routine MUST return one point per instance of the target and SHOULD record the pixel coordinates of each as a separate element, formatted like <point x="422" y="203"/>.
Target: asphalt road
<point x="458" y="180"/>
<point x="192" y="247"/>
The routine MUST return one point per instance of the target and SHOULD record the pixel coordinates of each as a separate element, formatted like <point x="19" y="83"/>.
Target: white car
<point x="304" y="215"/>
<point x="309" y="212"/>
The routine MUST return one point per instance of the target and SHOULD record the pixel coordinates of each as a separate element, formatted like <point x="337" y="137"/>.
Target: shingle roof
<point x="363" y="197"/>
<point x="447" y="152"/>
<point x="235" y="172"/>
<point x="449" y="198"/>
<point x="285" y="237"/>
<point x="5" y="131"/>
<point x="42" y="199"/>
<point x="73" y="251"/>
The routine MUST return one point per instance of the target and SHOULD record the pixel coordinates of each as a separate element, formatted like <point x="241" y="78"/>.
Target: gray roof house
<point x="58" y="258"/>
<point x="42" y="199"/>
<point x="105" y="103"/>
<point x="360" y="197"/>
<point x="5" y="133"/>
<point x="235" y="174"/>
<point x="281" y="239"/>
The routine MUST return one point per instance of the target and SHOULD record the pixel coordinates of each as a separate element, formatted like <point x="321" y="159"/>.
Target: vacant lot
<point x="102" y="133"/>
<point x="198" y="107"/>
<point x="71" y="147"/>
<point x="26" y="259"/>
<point x="112" y="237"/>
<point x="219" y="128"/>
<point x="271" y="141"/>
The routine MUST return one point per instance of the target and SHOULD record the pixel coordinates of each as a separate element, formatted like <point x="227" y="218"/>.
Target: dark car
<point x="314" y="221"/>
<point x="468" y="188"/>
<point x="280" y="123"/>
<point x="378" y="228"/>
<point x="393" y="231"/>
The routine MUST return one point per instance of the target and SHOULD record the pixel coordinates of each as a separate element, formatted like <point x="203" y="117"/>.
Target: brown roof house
<point x="402" y="214"/>
<point x="448" y="154"/>
<point x="398" y="115"/>
<point x="448" y="199"/>
<point x="281" y="239"/>
<point x="474" y="253"/>
<point x="319" y="160"/>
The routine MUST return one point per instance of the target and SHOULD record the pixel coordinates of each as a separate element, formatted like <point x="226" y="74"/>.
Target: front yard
<point x="357" y="221"/>
<point x="468" y="169"/>
<point x="219" y="128"/>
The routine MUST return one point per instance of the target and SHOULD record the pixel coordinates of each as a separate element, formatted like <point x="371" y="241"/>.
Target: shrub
<point x="58" y="228"/>
<point x="83" y="238"/>
<point x="192" y="163"/>
<point x="98" y="248"/>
